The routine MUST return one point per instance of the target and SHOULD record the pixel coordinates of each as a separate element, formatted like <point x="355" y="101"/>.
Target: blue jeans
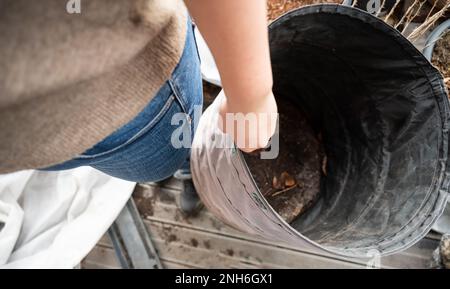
<point x="142" y="150"/>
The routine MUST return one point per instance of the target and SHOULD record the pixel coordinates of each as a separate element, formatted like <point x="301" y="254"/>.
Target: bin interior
<point x="379" y="117"/>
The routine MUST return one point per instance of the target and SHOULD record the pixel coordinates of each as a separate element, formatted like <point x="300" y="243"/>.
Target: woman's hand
<point x="251" y="124"/>
<point x="237" y="34"/>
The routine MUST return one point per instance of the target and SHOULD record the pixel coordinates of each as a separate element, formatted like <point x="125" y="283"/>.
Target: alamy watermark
<point x="374" y="259"/>
<point x="73" y="6"/>
<point x="244" y="127"/>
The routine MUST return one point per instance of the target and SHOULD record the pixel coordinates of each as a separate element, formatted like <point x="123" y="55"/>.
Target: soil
<point x="194" y="243"/>
<point x="210" y="91"/>
<point x="441" y="57"/>
<point x="143" y="204"/>
<point x="445" y="251"/>
<point x="291" y="182"/>
<point x="276" y="8"/>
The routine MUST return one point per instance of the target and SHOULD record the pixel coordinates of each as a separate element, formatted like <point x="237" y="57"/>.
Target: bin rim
<point x="438" y="88"/>
<point x="218" y="162"/>
<point x="360" y="14"/>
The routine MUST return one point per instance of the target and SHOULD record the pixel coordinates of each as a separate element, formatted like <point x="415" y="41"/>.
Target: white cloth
<point x="210" y="73"/>
<point x="53" y="219"/>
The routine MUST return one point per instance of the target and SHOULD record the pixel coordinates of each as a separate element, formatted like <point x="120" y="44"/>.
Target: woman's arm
<point x="236" y="32"/>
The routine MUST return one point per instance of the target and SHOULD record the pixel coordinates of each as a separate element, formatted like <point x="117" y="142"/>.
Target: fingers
<point x="251" y="130"/>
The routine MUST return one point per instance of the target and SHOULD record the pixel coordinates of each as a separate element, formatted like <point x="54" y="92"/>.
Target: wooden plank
<point x="206" y="242"/>
<point x="165" y="211"/>
<point x="192" y="248"/>
<point x="185" y="252"/>
<point x="209" y="250"/>
<point x="102" y="257"/>
<point x="205" y="223"/>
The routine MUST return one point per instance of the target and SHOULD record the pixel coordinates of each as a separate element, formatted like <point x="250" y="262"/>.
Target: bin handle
<point x="434" y="37"/>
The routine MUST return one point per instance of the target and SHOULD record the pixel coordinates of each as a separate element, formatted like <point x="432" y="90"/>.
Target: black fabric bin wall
<point x="383" y="112"/>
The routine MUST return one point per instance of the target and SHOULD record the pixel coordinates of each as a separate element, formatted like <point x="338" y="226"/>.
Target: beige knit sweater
<point x="69" y="80"/>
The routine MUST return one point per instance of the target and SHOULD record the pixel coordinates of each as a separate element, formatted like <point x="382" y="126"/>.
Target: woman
<point x="100" y="87"/>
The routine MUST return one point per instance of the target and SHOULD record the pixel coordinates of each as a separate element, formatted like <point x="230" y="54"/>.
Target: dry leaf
<point x="324" y="165"/>
<point x="276" y="183"/>
<point x="287" y="180"/>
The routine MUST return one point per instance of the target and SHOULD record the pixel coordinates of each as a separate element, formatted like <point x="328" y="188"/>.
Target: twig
<point x="267" y="193"/>
<point x="414" y="16"/>
<point x="283" y="191"/>
<point x="432" y="9"/>
<point x="381" y="8"/>
<point x="428" y="23"/>
<point x="392" y="11"/>
<point x="324" y="165"/>
<point x="406" y="16"/>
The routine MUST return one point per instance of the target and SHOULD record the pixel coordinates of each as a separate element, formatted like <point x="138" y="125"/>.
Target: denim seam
<point x="138" y="134"/>
<point x="196" y="44"/>
<point x="177" y="94"/>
